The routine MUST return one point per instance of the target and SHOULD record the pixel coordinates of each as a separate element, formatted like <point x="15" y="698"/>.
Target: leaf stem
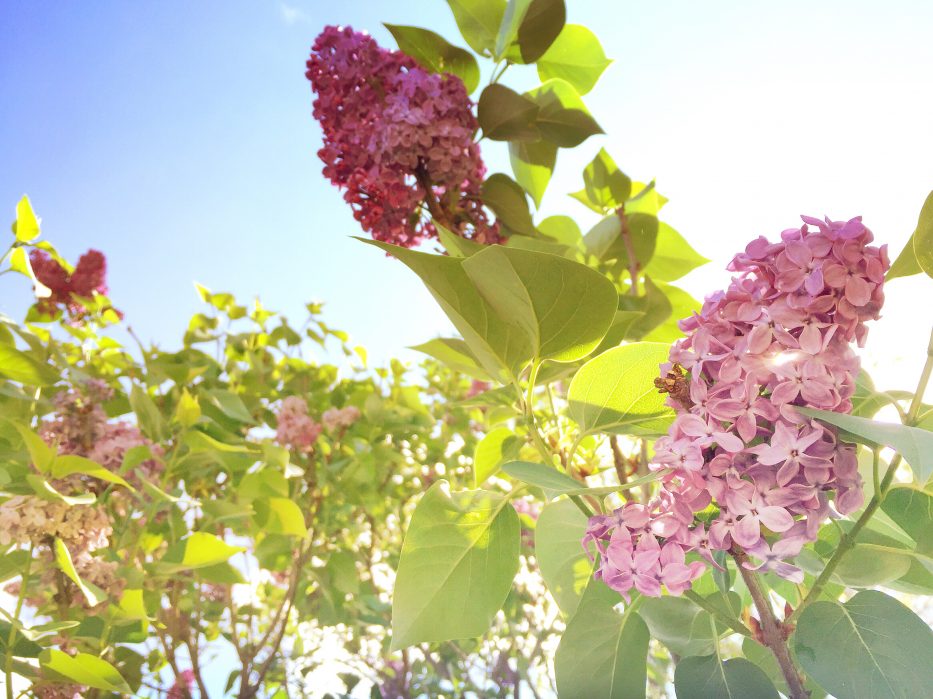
<point x="497" y="77"/>
<point x="526" y="401"/>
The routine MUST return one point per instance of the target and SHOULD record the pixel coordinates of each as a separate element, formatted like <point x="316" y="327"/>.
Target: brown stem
<point x="194" y="652"/>
<point x="240" y="650"/>
<point x="618" y="460"/>
<point x="278" y="626"/>
<point x="169" y="652"/>
<point x="772" y="630"/>
<point x="434" y="206"/>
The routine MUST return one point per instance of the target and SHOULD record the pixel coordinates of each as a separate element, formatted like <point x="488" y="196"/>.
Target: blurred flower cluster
<point x="296" y="429"/>
<point x="86" y="279"/>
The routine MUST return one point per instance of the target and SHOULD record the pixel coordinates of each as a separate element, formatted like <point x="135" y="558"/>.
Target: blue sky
<point x="177" y="138"/>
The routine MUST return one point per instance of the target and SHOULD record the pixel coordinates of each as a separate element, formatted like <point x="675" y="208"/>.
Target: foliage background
<point x="178" y="139"/>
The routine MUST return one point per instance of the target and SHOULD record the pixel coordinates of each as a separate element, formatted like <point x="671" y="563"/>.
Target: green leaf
<point x="871" y="647"/>
<point x="707" y="678"/>
<point x="621" y="329"/>
<point x="26" y="226"/>
<point x="19" y="366"/>
<point x="280" y="516"/>
<point x="917" y="255"/>
<point x="230" y="404"/>
<point x="508" y="29"/>
<point x="456" y="245"/>
<point x="575" y="56"/>
<point x="542" y="244"/>
<point x="458" y="561"/>
<point x="52" y="628"/>
<point x="69" y="464"/>
<point x="44" y="490"/>
<point x="188" y="410"/>
<point x="92" y="594"/>
<point x="455" y="353"/>
<point x="558" y="483"/>
<point x="148" y="415"/>
<point x="763" y="657"/>
<point x="682" y="305"/>
<point x="602" y="653"/>
<point x="85" y="669"/>
<point x="564" y="307"/>
<point x="684" y="627"/>
<point x="563" y="229"/>
<point x="507" y="200"/>
<point x="563" y="118"/>
<point x="478" y="21"/>
<point x="41" y="454"/>
<point x="645" y="199"/>
<point x="433" y="53"/>
<point x="505" y="115"/>
<point x="266" y="482"/>
<point x="867" y="402"/>
<point x="604" y="183"/>
<point x="654" y="306"/>
<point x="542" y="476"/>
<point x="22" y="646"/>
<point x="912" y="510"/>
<point x="514" y="305"/>
<point x="543" y="22"/>
<point x="500" y="347"/>
<point x="563" y="563"/>
<point x="533" y="163"/>
<point x="12" y="564"/>
<point x="913" y="443"/>
<point x="606" y="243"/>
<point x="673" y="256"/>
<point x="866" y="566"/>
<point x="493" y="450"/>
<point x="615" y="392"/>
<point x="199" y="550"/>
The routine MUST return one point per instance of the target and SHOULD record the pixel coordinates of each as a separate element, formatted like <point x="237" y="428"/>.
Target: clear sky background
<point x="178" y="138"/>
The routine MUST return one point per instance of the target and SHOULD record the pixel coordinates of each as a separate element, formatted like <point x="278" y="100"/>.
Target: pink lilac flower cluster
<point x="296" y="429"/>
<point x="335" y="419"/>
<point x="780" y="336"/>
<point x="58" y="691"/>
<point x="182" y="687"/>
<point x="398" y="139"/>
<point x="80" y="426"/>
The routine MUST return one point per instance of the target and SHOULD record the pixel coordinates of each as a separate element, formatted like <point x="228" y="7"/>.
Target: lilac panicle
<point x="779" y="337"/>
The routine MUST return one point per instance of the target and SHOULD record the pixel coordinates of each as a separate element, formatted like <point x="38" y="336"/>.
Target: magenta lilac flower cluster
<point x="397" y="139"/>
<point x="780" y="336"/>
